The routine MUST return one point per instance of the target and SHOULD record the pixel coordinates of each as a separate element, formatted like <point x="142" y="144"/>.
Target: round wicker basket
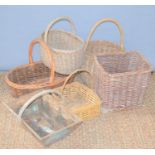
<point x="66" y="47"/>
<point x="92" y="48"/>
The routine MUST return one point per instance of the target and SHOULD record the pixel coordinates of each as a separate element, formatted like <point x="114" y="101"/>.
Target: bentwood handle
<point x="46" y="49"/>
<point x="101" y="22"/>
<point x="53" y="22"/>
<point x="78" y="71"/>
<point x="30" y="101"/>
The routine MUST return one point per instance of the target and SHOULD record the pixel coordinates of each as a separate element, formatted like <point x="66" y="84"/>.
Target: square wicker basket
<point x="121" y="79"/>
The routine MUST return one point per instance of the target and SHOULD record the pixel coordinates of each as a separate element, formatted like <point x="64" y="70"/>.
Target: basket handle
<point x="104" y="21"/>
<point x="51" y="59"/>
<point x="78" y="71"/>
<point x="30" y="101"/>
<point x="53" y="22"/>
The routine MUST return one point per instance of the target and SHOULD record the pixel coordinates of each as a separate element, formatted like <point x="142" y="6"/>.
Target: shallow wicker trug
<point x="82" y="100"/>
<point x="35" y="75"/>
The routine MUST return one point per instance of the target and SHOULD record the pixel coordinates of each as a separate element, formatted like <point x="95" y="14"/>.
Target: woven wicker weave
<point x="121" y="79"/>
<point x="101" y="46"/>
<point x="66" y="48"/>
<point x="33" y="76"/>
<point x="81" y="99"/>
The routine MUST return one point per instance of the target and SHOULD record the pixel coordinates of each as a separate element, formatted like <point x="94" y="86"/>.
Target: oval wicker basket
<point x="65" y="46"/>
<point x="35" y="75"/>
<point x="81" y="100"/>
<point x="101" y="46"/>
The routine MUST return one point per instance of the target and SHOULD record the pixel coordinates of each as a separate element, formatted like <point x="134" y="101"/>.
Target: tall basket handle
<point x="104" y="21"/>
<point x="46" y="49"/>
<point x="30" y="101"/>
<point x="78" y="71"/>
<point x="53" y="22"/>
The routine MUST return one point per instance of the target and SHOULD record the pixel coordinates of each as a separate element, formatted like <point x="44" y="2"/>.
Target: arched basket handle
<point x="33" y="98"/>
<point x="50" y="56"/>
<point x="53" y="22"/>
<point x="78" y="71"/>
<point x="104" y="21"/>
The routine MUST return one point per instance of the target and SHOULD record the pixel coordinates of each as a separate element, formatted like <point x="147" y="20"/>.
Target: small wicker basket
<point x="33" y="76"/>
<point x="81" y="99"/>
<point x="66" y="47"/>
<point x="51" y="135"/>
<point x="121" y="79"/>
<point x="91" y="48"/>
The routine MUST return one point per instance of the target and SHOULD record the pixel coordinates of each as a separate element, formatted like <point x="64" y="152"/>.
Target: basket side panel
<point x="120" y="91"/>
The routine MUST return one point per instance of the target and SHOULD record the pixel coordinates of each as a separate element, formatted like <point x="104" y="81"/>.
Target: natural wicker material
<point x="121" y="79"/>
<point x="101" y="46"/>
<point x="66" y="48"/>
<point x="81" y="99"/>
<point x="129" y="128"/>
<point x="35" y="75"/>
<point x="55" y="135"/>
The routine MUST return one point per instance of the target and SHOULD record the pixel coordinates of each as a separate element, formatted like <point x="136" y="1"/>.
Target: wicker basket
<point x="121" y="79"/>
<point x="66" y="48"/>
<point x="81" y="99"/>
<point x="101" y="46"/>
<point x="33" y="76"/>
<point x="52" y="135"/>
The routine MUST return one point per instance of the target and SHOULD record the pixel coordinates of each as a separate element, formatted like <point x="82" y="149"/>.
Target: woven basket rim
<point x="78" y="84"/>
<point x="68" y="33"/>
<point x="21" y="86"/>
<point x="124" y="73"/>
<point x="106" y="43"/>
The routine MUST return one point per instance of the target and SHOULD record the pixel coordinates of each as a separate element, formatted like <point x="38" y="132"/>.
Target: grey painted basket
<point x="59" y="134"/>
<point x="66" y="47"/>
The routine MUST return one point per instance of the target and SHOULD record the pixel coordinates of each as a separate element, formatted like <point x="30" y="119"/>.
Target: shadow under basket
<point x="121" y="79"/>
<point x="27" y="78"/>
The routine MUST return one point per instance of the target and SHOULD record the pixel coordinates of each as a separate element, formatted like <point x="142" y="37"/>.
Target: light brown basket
<point x="81" y="100"/>
<point x="101" y="46"/>
<point x="33" y="76"/>
<point x="121" y="79"/>
<point x="66" y="47"/>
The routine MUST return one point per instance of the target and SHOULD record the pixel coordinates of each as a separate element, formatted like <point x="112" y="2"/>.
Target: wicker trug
<point x="58" y="134"/>
<point x="35" y="75"/>
<point x="81" y="100"/>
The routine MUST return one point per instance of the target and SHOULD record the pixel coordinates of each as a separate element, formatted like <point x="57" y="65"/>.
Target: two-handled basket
<point x="66" y="47"/>
<point x="35" y="75"/>
<point x="50" y="136"/>
<point x="91" y="48"/>
<point x="81" y="99"/>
